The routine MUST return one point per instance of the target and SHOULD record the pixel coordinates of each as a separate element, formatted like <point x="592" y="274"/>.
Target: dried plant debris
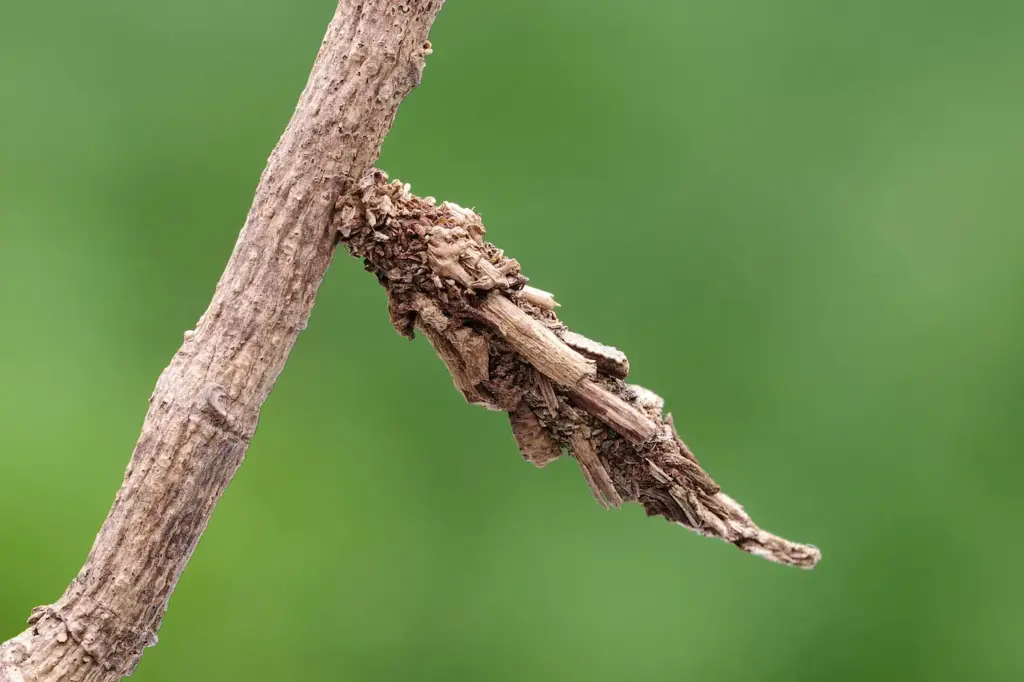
<point x="507" y="350"/>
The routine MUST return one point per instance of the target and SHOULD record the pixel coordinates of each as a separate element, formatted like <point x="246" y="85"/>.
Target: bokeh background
<point x="802" y="220"/>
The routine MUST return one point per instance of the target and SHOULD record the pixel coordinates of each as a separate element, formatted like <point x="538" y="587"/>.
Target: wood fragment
<point x="658" y="472"/>
<point x="534" y="342"/>
<point x="594" y="472"/>
<point x="685" y="503"/>
<point x="691" y="472"/>
<point x="457" y="253"/>
<point x="735" y="526"/>
<point x="679" y="441"/>
<point x="610" y="360"/>
<point x="430" y="314"/>
<point x="463" y="351"/>
<point x="535" y="443"/>
<point x="538" y="297"/>
<point x="625" y="419"/>
<point x="473" y="348"/>
<point x="649" y="401"/>
<point x="547" y="392"/>
<point x="463" y="377"/>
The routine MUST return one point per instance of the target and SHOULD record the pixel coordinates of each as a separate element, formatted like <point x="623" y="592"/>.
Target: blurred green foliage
<point x="801" y="219"/>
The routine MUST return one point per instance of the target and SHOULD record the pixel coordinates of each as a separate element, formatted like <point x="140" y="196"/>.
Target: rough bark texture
<point x="507" y="350"/>
<point x="207" y="402"/>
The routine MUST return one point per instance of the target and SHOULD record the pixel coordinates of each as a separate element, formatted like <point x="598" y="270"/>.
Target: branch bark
<point x="207" y="402"/>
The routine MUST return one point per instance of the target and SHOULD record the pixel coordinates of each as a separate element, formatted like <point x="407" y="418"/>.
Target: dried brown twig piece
<point x="507" y="350"/>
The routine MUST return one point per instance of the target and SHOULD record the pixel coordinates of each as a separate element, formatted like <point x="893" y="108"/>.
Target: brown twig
<point x="507" y="350"/>
<point x="207" y="402"/>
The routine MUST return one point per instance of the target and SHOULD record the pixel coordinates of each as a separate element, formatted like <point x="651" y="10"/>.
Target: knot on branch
<point x="104" y="638"/>
<point x="507" y="350"/>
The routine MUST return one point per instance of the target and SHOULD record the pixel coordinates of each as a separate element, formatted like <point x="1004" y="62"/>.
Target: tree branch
<point x="207" y="402"/>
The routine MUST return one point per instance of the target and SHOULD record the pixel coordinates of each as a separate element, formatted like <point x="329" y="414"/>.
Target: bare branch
<point x="207" y="402"/>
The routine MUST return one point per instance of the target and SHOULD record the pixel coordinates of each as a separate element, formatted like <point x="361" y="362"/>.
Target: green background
<point x="802" y="220"/>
